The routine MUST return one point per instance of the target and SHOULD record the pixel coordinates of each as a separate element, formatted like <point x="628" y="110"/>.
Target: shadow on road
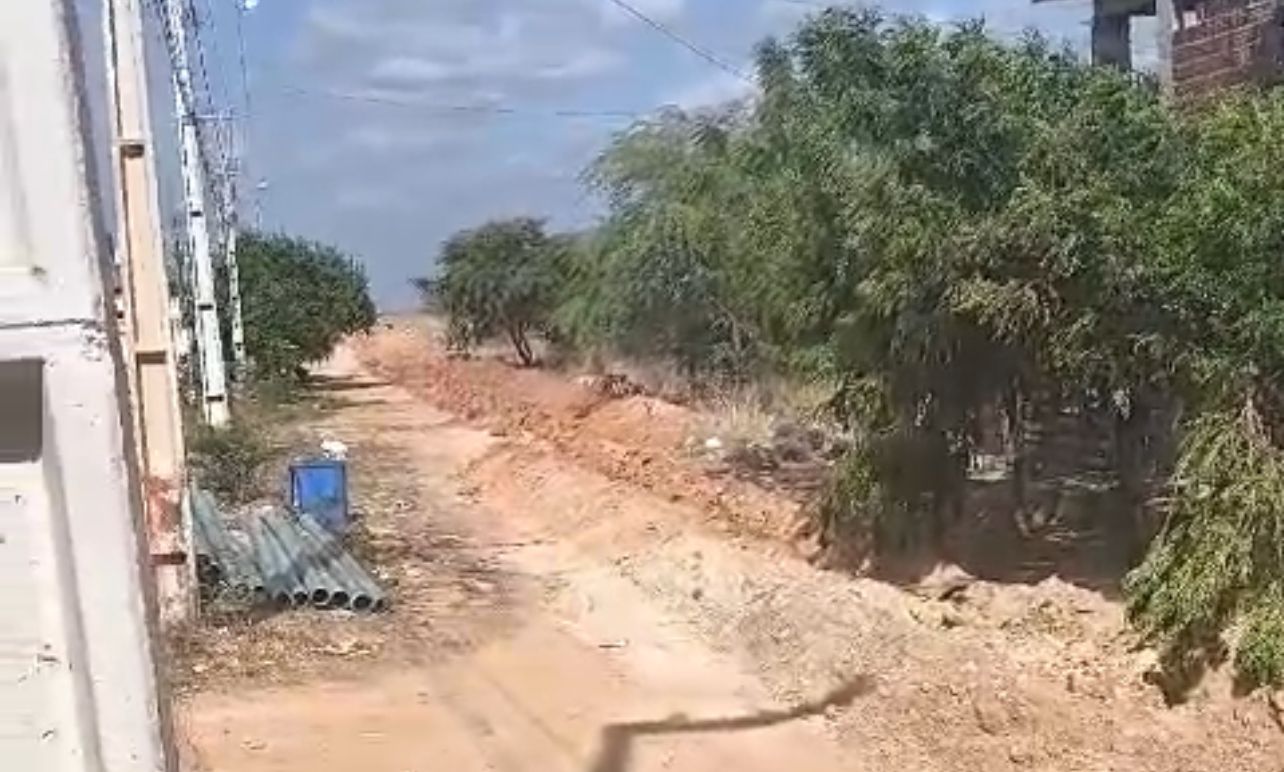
<point x="617" y="739"/>
<point x="342" y="383"/>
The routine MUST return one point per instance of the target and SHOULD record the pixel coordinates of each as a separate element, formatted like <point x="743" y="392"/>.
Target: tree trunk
<point x="525" y="355"/>
<point x="1014" y="410"/>
<point x="1144" y="456"/>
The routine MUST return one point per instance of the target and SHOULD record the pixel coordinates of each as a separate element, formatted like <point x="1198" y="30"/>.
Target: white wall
<point x="78" y="678"/>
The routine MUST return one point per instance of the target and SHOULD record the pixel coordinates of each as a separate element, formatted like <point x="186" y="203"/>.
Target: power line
<point x="685" y="42"/>
<point x="347" y="96"/>
<point x="212" y="140"/>
<point x="193" y="111"/>
<point x="208" y="17"/>
<point x="247" y="105"/>
<point x="243" y="58"/>
<point x="212" y="94"/>
<point x="220" y="89"/>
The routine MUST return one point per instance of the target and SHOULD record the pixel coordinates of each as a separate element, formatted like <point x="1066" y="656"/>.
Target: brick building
<point x="1203" y="45"/>
<point x="1222" y="43"/>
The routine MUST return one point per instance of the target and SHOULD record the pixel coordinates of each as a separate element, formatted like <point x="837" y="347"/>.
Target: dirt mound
<point x="638" y="439"/>
<point x="965" y="674"/>
<point x="507" y="646"/>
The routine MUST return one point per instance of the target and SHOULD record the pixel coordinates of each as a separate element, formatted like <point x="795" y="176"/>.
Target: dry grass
<point x="234" y="643"/>
<point x="737" y="419"/>
<point x="445" y="593"/>
<point x="757" y="413"/>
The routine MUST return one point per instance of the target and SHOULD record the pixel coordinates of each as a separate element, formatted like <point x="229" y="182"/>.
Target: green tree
<point x="299" y="299"/>
<point x="501" y="279"/>
<point x="946" y="224"/>
<point x="706" y="258"/>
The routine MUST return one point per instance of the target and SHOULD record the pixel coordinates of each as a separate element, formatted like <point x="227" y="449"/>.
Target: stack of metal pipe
<point x="222" y="561"/>
<point x="292" y="561"/>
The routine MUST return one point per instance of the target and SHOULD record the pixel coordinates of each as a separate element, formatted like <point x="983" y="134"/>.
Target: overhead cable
<point x="481" y="109"/>
<point x="681" y="40"/>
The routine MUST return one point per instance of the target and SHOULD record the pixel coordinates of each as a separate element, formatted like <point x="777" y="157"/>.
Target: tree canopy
<point x="501" y="279"/>
<point x="942" y="223"/>
<point x="299" y="299"/>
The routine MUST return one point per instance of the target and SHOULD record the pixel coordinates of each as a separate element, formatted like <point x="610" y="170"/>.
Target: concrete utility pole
<point x="1166" y="23"/>
<point x="1112" y="33"/>
<point x="209" y="337"/>
<point x="148" y="342"/>
<point x="79" y="688"/>
<point x="231" y="222"/>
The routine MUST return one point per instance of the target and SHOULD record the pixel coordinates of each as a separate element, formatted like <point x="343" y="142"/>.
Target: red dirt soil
<point x="575" y="593"/>
<point x="1045" y="676"/>
<point x="638" y="439"/>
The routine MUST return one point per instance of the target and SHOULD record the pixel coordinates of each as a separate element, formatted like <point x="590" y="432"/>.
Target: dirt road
<point x="573" y="592"/>
<point x="567" y="666"/>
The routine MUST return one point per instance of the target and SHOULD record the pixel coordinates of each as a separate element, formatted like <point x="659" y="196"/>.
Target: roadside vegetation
<point x="964" y="239"/>
<point x="500" y="280"/>
<point x="300" y="299"/>
<point x="229" y="462"/>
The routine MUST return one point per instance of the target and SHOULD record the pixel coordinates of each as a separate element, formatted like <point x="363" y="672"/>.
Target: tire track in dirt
<point x="636" y="439"/>
<point x="582" y="672"/>
<point x="1000" y="678"/>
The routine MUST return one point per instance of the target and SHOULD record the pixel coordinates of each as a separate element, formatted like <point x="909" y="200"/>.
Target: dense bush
<point x="946" y="224"/>
<point x="229" y="462"/>
<point x="1220" y="558"/>
<point x="299" y="299"/>
<point x="501" y="279"/>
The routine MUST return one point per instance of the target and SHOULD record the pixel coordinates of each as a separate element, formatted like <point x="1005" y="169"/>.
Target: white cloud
<point x="504" y="63"/>
<point x="776" y="14"/>
<point x="659" y="10"/>
<point x="449" y="49"/>
<point x="412" y="68"/>
<point x="587" y="64"/>
<point x="359" y="197"/>
<point x="338" y="22"/>
<point x="382" y="138"/>
<point x="715" y="90"/>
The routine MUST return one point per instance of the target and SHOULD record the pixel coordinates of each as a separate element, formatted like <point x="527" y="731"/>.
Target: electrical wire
<point x="207" y="16"/>
<point x="818" y="3"/>
<point x="457" y="108"/>
<point x="183" y="85"/>
<point x="213" y="139"/>
<point x="681" y="40"/>
<point x="193" y="111"/>
<point x="220" y="91"/>
<point x="247" y="104"/>
<point x="243" y="58"/>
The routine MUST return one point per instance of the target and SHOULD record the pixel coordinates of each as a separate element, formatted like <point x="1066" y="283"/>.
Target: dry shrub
<point x="229" y="462"/>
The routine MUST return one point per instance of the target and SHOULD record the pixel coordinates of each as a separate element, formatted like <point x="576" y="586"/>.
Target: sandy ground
<point x="573" y="593"/>
<point x="568" y="667"/>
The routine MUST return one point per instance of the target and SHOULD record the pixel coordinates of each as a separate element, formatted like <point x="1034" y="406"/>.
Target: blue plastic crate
<point x="319" y="487"/>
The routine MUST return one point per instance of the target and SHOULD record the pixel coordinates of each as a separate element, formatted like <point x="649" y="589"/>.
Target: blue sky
<point x="388" y="183"/>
